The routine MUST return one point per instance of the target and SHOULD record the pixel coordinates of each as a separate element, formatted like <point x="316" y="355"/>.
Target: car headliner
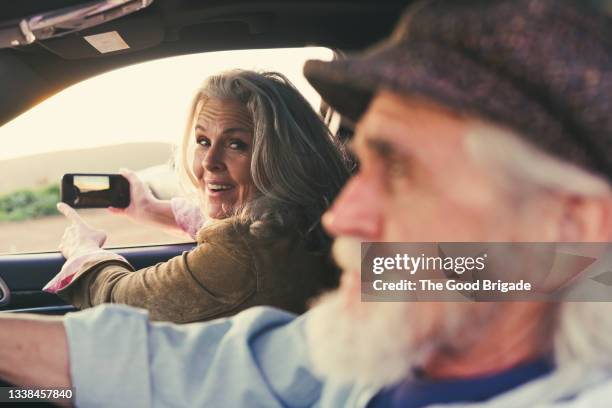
<point x="166" y="28"/>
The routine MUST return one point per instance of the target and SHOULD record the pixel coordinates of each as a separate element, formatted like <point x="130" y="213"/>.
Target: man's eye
<point x="398" y="172"/>
<point x="397" y="167"/>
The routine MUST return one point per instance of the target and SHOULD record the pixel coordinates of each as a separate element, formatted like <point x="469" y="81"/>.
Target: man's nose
<point x="357" y="211"/>
<point x="213" y="159"/>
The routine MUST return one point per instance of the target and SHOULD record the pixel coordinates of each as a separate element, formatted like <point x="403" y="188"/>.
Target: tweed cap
<point x="540" y="67"/>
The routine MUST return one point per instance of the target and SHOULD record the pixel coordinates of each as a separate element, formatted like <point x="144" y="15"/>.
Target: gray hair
<point x="522" y="166"/>
<point x="583" y="332"/>
<point x="297" y="165"/>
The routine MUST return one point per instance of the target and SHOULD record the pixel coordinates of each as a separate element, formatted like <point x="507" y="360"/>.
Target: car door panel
<point x="26" y="275"/>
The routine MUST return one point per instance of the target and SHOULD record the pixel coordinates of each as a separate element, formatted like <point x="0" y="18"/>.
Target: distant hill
<point x="43" y="169"/>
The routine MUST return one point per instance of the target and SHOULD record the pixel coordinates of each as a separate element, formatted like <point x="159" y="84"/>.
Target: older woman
<point x="265" y="168"/>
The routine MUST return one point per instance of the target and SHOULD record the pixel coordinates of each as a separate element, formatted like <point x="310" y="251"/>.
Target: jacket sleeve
<point x="187" y="216"/>
<point x="209" y="281"/>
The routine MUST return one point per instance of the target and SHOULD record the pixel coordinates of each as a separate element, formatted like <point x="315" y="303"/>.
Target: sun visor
<point x="115" y="37"/>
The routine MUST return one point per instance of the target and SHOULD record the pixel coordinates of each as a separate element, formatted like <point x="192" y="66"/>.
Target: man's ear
<point x="586" y="219"/>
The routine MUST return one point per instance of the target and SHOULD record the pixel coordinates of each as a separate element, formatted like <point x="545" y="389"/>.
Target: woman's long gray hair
<point x="297" y="165"/>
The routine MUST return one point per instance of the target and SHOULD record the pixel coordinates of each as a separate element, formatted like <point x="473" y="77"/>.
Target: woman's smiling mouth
<point x="217" y="188"/>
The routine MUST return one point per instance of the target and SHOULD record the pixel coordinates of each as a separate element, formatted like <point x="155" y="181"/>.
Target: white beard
<point x="377" y="343"/>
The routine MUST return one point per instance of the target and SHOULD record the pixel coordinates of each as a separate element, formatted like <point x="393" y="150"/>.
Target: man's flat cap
<point x="540" y="67"/>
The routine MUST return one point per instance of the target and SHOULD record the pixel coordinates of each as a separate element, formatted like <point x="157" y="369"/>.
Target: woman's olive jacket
<point x="228" y="271"/>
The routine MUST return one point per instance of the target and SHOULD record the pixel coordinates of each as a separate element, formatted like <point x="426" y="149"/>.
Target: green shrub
<point x="27" y="204"/>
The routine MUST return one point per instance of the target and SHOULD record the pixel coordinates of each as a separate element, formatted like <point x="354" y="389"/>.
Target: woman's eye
<point x="237" y="145"/>
<point x="203" y="142"/>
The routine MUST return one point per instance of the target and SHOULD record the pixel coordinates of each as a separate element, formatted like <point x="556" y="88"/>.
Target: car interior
<point x="43" y="51"/>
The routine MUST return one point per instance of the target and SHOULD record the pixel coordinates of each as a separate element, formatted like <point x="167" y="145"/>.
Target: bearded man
<point x="477" y="121"/>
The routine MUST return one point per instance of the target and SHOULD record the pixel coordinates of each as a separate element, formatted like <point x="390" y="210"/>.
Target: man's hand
<point x="34" y="351"/>
<point x="79" y="237"/>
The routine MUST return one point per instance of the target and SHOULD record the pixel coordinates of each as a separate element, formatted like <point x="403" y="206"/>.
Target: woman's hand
<point x="142" y="201"/>
<point x="79" y="237"/>
<point x="144" y="206"/>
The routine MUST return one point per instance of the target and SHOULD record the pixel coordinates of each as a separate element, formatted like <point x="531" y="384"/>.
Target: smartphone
<point x="95" y="190"/>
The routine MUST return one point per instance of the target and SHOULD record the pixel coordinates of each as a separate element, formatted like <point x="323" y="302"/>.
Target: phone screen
<point x="95" y="190"/>
<point x="92" y="190"/>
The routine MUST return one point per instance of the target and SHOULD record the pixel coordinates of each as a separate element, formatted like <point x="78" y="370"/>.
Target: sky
<point x="146" y="102"/>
